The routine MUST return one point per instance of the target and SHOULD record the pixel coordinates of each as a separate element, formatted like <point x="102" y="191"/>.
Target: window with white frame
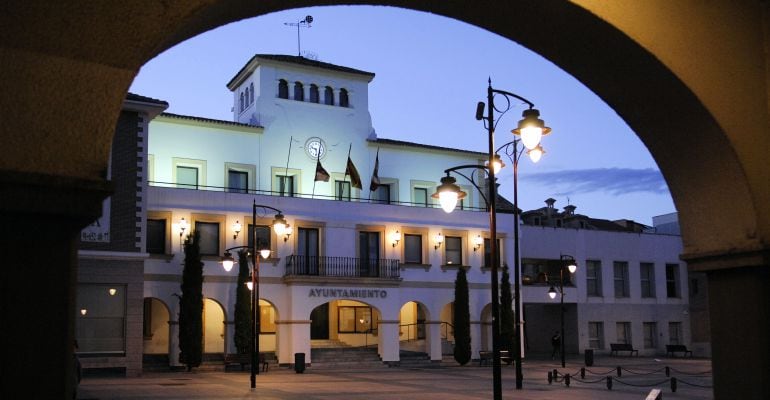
<point x="237" y="181"/>
<point x="647" y="279"/>
<point x="453" y="250"/>
<point x="188" y="173"/>
<point x="624" y="332"/>
<point x="382" y="194"/>
<point x="620" y="270"/>
<point x="342" y="190"/>
<point x="594" y="278"/>
<point x="186" y="177"/>
<point x="596" y="335"/>
<point x="420" y="196"/>
<point x="672" y="280"/>
<point x="650" y="330"/>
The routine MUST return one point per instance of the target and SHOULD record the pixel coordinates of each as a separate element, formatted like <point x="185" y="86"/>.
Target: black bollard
<point x="566" y="380"/>
<point x="550" y="377"/>
<point x="609" y="382"/>
<point x="582" y="373"/>
<point x="673" y="385"/>
<point x="668" y="372"/>
<point x="619" y="373"/>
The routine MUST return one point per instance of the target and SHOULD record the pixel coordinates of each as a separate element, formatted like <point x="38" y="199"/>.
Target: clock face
<point x="315" y="148"/>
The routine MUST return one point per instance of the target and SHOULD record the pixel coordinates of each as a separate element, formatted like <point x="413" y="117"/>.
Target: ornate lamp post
<point x="279" y="226"/>
<point x="530" y="130"/>
<point x="568" y="262"/>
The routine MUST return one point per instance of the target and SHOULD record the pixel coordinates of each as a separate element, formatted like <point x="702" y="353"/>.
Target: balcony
<point x="342" y="267"/>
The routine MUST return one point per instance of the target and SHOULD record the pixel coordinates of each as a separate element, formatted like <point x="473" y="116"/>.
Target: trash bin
<point x="299" y="362"/>
<point x="589" y="355"/>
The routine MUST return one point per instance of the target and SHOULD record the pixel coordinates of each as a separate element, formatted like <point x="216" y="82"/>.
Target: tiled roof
<point x="300" y="61"/>
<point x="135" y="97"/>
<point x="213" y="121"/>
<point x="425" y="146"/>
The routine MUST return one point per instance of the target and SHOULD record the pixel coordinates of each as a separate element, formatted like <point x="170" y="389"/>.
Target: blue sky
<point x="430" y="73"/>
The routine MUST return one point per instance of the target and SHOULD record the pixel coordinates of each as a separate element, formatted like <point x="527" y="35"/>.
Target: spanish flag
<point x="355" y="179"/>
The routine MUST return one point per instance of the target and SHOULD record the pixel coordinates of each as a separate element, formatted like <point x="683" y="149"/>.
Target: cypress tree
<point x="191" y="304"/>
<point x="243" y="306"/>
<point x="507" y="332"/>
<point x="462" y="319"/>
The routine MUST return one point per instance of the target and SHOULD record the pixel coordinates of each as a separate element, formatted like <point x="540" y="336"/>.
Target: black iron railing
<point x="345" y="267"/>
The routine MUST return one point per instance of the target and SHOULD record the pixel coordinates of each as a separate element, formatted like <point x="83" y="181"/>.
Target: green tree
<point x="243" y="306"/>
<point x="191" y="304"/>
<point x="507" y="328"/>
<point x="462" y="319"/>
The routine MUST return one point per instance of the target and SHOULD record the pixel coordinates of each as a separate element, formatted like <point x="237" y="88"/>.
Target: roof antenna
<point x="304" y="23"/>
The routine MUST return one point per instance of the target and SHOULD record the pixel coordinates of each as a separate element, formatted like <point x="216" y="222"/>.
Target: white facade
<point x="272" y="138"/>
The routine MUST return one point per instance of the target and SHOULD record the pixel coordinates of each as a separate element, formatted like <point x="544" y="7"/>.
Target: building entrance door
<point x="319" y="325"/>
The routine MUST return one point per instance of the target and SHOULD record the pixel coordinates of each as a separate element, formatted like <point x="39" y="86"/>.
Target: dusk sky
<point x="430" y="73"/>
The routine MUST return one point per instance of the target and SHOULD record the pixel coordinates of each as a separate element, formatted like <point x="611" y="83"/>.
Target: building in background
<point x="361" y="267"/>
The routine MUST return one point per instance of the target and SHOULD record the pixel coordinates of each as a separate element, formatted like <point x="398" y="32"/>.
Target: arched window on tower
<point x="329" y="96"/>
<point x="283" y="89"/>
<point x="344" y="100"/>
<point x="299" y="91"/>
<point x="241" y="105"/>
<point x="314" y="93"/>
<point x="251" y="96"/>
<point x="246" y="99"/>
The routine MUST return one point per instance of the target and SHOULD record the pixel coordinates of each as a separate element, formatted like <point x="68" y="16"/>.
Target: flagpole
<point x="317" y="159"/>
<point x="345" y="178"/>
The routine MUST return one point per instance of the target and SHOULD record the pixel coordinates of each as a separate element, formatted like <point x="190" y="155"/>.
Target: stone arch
<point x="214" y="330"/>
<point x="156" y="315"/>
<point x="350" y="321"/>
<point x="413" y="331"/>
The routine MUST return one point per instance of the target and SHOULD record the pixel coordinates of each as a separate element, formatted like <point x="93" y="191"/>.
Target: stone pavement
<point x="448" y="381"/>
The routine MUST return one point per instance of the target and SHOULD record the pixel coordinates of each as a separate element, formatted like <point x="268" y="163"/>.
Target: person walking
<point x="555" y="344"/>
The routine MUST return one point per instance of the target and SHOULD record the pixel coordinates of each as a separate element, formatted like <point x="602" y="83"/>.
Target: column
<point x="434" y="340"/>
<point x="173" y="343"/>
<point x="476" y="327"/>
<point x="388" y="332"/>
<point x="294" y="337"/>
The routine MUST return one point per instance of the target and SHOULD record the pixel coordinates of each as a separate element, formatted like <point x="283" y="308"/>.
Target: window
<point x="263" y="237"/>
<point x="624" y="332"/>
<point x="342" y="190"/>
<point x="382" y="195"/>
<point x="594" y="278"/>
<point x="307" y="250"/>
<point x="672" y="280"/>
<point x="647" y="277"/>
<point x="314" y="93"/>
<point x="620" y="269"/>
<point x="283" y="89"/>
<point x="241" y="102"/>
<point x="674" y="333"/>
<point x="328" y="96"/>
<point x="412" y="249"/>
<point x="246" y="99"/>
<point x="596" y="335"/>
<point x="344" y="101"/>
<point x="266" y="317"/>
<point x="237" y="181"/>
<point x="369" y="253"/>
<point x="102" y="328"/>
<point x="285" y="185"/>
<point x="251" y="96"/>
<point x="488" y="252"/>
<point x="453" y="252"/>
<point x="354" y="319"/>
<point x="650" y="335"/>
<point x="421" y="196"/>
<point x="299" y="91"/>
<point x="209" y="241"/>
<point x="156" y="236"/>
<point x="186" y="177"/>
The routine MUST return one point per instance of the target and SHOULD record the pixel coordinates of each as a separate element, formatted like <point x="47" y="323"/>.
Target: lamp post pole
<point x="516" y="268"/>
<point x="571" y="267"/>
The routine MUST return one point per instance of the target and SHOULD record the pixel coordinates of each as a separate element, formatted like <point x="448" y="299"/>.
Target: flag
<point x="375" y="178"/>
<point x="355" y="179"/>
<point x="320" y="172"/>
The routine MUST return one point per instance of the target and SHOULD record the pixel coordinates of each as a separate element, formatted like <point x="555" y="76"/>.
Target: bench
<point x="244" y="359"/>
<point x="674" y="348"/>
<point x="616" y="347"/>
<point x="485" y="357"/>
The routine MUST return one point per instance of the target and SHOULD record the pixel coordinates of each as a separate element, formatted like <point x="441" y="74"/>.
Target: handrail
<point x="348" y="267"/>
<point x="416" y="336"/>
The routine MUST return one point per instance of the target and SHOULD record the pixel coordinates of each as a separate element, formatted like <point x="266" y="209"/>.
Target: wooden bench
<point x="674" y="348"/>
<point x="616" y="347"/>
<point x="485" y="357"/>
<point x="244" y="360"/>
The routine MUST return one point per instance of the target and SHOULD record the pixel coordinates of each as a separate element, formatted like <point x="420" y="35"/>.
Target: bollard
<point x="582" y="373"/>
<point x="609" y="382"/>
<point x="550" y="377"/>
<point x="555" y="375"/>
<point x="566" y="380"/>
<point x="668" y="372"/>
<point x="619" y="373"/>
<point x="673" y="385"/>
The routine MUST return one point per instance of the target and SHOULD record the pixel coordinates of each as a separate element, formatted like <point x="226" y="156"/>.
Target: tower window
<point x="283" y="89"/>
<point x="251" y="96"/>
<point x="314" y="93"/>
<point x="241" y="105"/>
<point x="299" y="91"/>
<point x="344" y="100"/>
<point x="329" y="96"/>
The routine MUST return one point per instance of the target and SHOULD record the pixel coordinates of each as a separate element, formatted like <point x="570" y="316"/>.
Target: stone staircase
<point x="331" y="354"/>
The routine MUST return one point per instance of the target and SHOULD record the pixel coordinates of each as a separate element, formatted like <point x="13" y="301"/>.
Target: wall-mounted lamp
<point x="438" y="239"/>
<point x="287" y="232"/>
<point x="477" y="242"/>
<point x="83" y="311"/>
<point x="237" y="229"/>
<point x="112" y="291"/>
<point x="183" y="225"/>
<point x="395" y="237"/>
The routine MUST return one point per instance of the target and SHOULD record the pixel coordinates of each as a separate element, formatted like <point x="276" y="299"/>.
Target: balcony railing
<point x="343" y="267"/>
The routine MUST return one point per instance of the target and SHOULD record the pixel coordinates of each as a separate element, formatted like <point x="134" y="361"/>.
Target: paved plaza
<point x="446" y="382"/>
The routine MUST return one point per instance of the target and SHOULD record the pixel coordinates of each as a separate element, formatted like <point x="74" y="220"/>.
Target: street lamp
<point x="568" y="262"/>
<point x="530" y="130"/>
<point x="279" y="226"/>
